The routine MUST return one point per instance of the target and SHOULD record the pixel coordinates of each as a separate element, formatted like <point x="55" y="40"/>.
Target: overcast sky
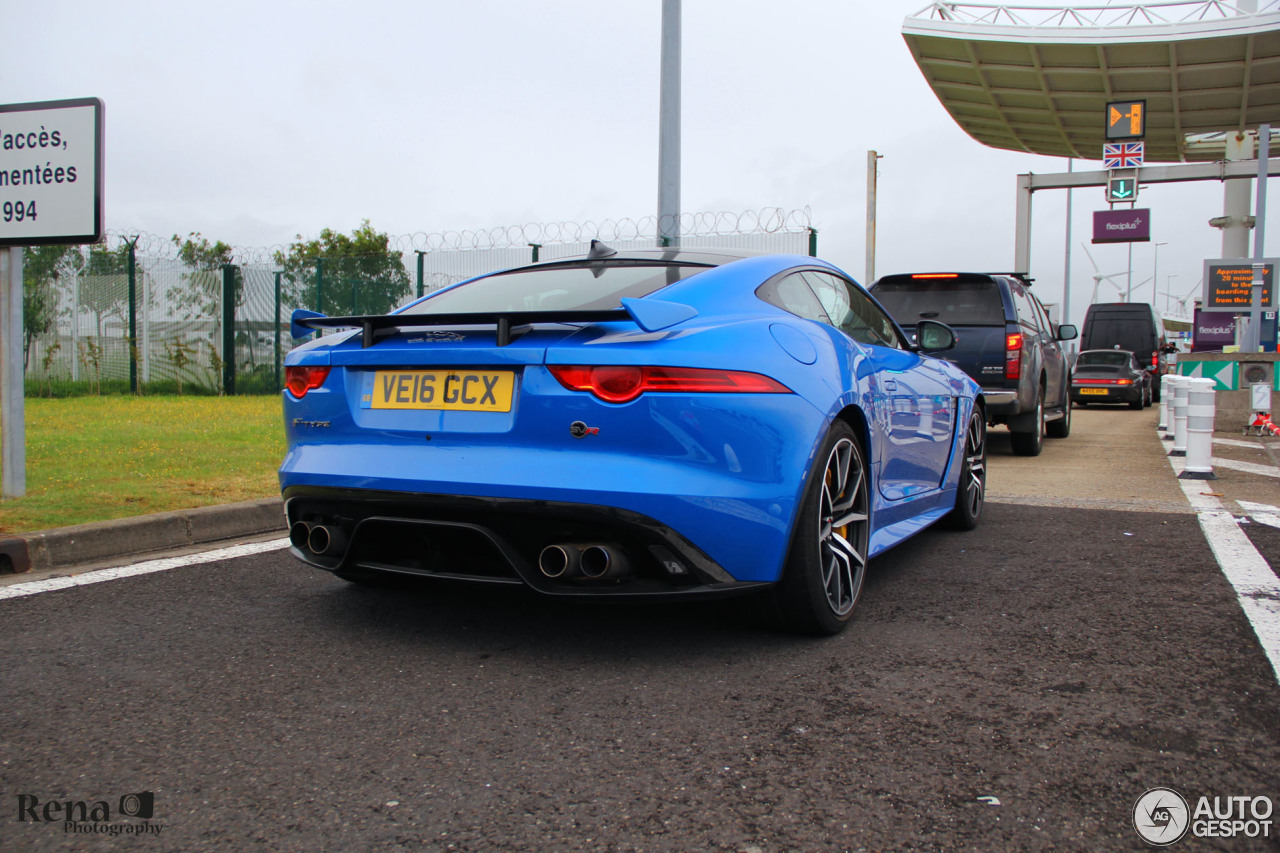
<point x="252" y="122"/>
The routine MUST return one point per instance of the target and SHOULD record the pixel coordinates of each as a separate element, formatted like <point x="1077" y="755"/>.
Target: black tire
<point x="1031" y="443"/>
<point x="1146" y="397"/>
<point x="971" y="494"/>
<point x="827" y="563"/>
<point x="1155" y="388"/>
<point x="1061" y="428"/>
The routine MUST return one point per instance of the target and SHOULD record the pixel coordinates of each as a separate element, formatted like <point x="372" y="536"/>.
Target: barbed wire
<point x="766" y="220"/>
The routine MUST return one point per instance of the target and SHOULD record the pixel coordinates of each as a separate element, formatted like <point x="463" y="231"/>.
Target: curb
<point x="81" y="544"/>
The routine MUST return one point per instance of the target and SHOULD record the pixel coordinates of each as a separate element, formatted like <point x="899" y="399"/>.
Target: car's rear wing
<point x="650" y="315"/>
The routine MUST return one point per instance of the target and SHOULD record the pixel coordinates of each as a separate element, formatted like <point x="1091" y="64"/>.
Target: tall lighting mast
<point x="669" y="128"/>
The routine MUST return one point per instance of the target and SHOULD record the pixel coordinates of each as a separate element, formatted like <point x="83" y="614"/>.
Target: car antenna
<point x="599" y="251"/>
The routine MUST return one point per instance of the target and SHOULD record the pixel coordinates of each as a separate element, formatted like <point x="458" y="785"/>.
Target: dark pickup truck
<point x="1004" y="340"/>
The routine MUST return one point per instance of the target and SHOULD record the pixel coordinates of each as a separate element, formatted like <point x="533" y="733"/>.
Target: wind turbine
<point x="1183" y="301"/>
<point x="1098" y="277"/>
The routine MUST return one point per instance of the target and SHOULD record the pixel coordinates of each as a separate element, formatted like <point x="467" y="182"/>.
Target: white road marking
<point x="1262" y="513"/>
<point x="1235" y="442"/>
<point x="1245" y="467"/>
<point x="1256" y="585"/>
<point x="19" y="590"/>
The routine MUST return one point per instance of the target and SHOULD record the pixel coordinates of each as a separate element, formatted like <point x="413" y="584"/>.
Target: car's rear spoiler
<point x="650" y="315"/>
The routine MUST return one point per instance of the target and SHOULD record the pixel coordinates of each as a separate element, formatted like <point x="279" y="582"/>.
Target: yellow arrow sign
<point x="1134" y="111"/>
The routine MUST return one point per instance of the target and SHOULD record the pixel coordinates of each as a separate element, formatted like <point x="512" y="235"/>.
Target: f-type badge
<point x="578" y="429"/>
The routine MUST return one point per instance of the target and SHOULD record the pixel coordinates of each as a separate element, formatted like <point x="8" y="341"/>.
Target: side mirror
<point x="1068" y="332"/>
<point x="932" y="336"/>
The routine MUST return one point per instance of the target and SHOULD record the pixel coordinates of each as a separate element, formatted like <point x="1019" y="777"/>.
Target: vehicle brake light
<point x="935" y="275"/>
<point x="1155" y="359"/>
<point x="300" y="379"/>
<point x="1013" y="356"/>
<point x="622" y="384"/>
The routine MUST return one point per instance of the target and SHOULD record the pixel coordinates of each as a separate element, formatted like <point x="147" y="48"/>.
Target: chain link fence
<point x="131" y="316"/>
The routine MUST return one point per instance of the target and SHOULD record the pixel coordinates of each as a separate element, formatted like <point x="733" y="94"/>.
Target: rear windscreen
<point x="958" y="302"/>
<point x="1111" y="359"/>
<point x="1130" y="334"/>
<point x="594" y="287"/>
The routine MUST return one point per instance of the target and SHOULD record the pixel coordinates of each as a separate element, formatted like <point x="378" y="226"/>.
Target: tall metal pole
<point x="872" y="157"/>
<point x="669" y="128"/>
<point x="1128" y="285"/>
<point x="1254" y="342"/>
<point x="1155" y="272"/>
<point x="1066" y="266"/>
<point x="13" y="428"/>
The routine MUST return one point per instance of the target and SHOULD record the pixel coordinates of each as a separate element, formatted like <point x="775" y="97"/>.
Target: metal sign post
<point x="13" y="432"/>
<point x="50" y="193"/>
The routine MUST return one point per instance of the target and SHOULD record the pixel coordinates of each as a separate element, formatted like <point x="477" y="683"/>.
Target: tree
<point x="357" y="274"/>
<point x="42" y="266"/>
<point x="104" y="289"/>
<point x="203" y="294"/>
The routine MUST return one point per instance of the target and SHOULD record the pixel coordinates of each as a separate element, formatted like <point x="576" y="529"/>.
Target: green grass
<point x="99" y="458"/>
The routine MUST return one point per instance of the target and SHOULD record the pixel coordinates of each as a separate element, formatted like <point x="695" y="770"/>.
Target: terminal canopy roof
<point x="1038" y="79"/>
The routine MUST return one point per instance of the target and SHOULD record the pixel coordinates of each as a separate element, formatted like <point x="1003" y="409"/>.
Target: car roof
<point x="703" y="255"/>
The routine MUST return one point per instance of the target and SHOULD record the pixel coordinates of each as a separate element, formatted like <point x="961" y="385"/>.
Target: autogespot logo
<point x="1161" y="816"/>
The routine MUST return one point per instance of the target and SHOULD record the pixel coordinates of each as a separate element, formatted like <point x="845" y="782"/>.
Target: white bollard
<point x="1201" y="406"/>
<point x="1168" y="386"/>
<point x="1163" y="423"/>
<point x="1180" y="418"/>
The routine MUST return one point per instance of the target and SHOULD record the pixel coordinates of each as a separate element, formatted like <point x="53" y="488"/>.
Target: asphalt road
<point x="1013" y="688"/>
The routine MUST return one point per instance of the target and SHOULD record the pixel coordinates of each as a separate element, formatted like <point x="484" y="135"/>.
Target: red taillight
<point x="300" y="379"/>
<point x="1102" y="381"/>
<point x="1155" y="359"/>
<point x="1013" y="356"/>
<point x="622" y="384"/>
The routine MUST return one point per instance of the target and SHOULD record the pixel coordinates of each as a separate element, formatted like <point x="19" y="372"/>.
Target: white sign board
<point x="51" y="172"/>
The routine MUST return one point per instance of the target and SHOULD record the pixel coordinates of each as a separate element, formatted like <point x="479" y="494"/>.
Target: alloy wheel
<point x="843" y="527"/>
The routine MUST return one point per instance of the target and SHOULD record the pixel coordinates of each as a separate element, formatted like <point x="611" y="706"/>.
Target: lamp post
<point x="1155" y="271"/>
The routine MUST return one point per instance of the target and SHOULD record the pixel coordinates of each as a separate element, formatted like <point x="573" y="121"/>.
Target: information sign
<point x="1228" y="284"/>
<point x="51" y="172"/>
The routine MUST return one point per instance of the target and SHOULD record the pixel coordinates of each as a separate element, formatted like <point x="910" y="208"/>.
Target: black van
<point x="1133" y="326"/>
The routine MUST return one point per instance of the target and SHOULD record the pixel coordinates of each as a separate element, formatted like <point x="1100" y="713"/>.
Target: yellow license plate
<point x="447" y="390"/>
<point x="1102" y="391"/>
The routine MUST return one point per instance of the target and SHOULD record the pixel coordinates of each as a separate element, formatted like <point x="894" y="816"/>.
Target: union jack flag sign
<point x="1121" y="155"/>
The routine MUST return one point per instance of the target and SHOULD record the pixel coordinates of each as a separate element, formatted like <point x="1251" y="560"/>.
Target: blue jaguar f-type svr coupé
<point x="653" y="423"/>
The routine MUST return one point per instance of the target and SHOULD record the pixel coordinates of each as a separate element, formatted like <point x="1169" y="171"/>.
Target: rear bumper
<point x="1129" y="394"/>
<point x="1001" y="403"/>
<point x="499" y="541"/>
